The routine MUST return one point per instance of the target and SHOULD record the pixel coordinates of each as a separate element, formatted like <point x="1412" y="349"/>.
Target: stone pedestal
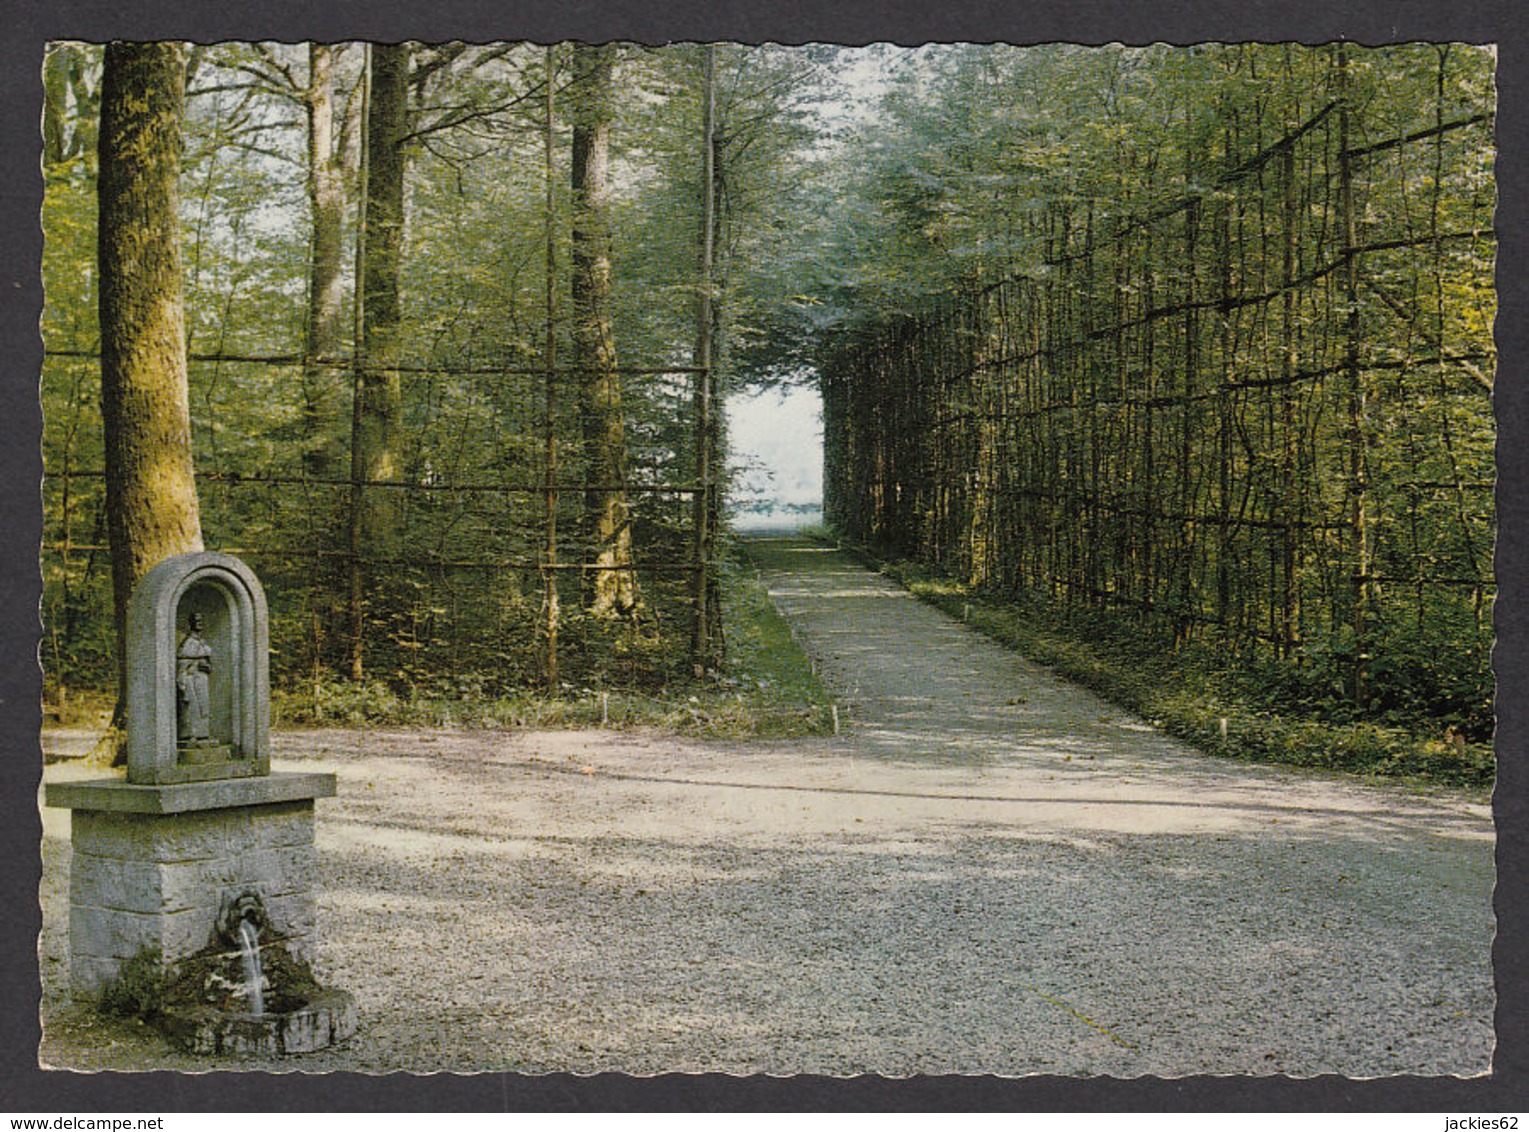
<point x="155" y="865"/>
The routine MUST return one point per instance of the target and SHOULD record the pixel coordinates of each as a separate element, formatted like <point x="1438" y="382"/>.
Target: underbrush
<point x="714" y="710"/>
<point x="766" y="690"/>
<point x="1192" y="695"/>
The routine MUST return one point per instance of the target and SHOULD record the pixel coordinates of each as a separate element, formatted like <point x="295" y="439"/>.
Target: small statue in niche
<point x="193" y="670"/>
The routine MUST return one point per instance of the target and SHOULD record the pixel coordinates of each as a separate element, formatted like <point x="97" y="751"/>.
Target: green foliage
<point x="1435" y="679"/>
<point x="465" y="610"/>
<point x="1102" y="350"/>
<point x="841" y="211"/>
<point x="768" y="689"/>
<point x="770" y="197"/>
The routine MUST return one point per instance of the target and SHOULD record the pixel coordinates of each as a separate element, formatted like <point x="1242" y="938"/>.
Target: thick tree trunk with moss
<point x="613" y="585"/>
<point x="151" y="502"/>
<point x="375" y="425"/>
<point x="375" y="444"/>
<point x="326" y="314"/>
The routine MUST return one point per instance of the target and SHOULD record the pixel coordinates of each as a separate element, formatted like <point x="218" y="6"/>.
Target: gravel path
<point x="990" y="871"/>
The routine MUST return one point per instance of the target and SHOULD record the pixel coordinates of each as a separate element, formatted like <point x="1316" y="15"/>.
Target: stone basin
<point x="327" y="1019"/>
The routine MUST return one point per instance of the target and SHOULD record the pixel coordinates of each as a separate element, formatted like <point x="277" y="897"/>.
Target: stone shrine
<point x="198" y="683"/>
<point x="201" y="831"/>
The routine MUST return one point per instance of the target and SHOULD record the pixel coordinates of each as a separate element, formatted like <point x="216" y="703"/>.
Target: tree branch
<point x="452" y="123"/>
<point x="264" y="51"/>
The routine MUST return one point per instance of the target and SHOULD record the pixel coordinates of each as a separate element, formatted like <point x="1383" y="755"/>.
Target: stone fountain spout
<point x="240" y="925"/>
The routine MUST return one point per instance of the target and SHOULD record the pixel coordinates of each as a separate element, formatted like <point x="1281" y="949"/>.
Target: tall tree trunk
<point x="55" y="104"/>
<point x="326" y="316"/>
<point x="1357" y="535"/>
<point x="151" y="502"/>
<point x="613" y="588"/>
<point x="702" y="643"/>
<point x="375" y="424"/>
<point x="549" y="420"/>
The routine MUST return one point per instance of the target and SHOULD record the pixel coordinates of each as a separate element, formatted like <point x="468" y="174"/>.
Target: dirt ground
<point x="989" y="871"/>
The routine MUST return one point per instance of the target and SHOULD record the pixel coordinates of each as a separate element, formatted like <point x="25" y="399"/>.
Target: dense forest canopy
<point x="1200" y="335"/>
<point x="1196" y="337"/>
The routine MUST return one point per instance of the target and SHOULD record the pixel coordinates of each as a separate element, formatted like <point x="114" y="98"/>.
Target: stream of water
<point x="249" y="953"/>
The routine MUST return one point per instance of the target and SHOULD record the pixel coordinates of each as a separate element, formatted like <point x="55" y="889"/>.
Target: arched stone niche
<point x="227" y="601"/>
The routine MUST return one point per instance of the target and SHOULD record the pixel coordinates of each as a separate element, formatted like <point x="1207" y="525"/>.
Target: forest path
<point x="1360" y="905"/>
<point x="917" y="686"/>
<point x="989" y="871"/>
